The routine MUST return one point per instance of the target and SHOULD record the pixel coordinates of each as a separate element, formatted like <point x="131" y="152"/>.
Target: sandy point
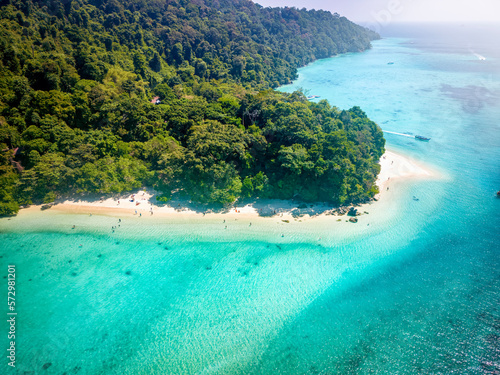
<point x="397" y="167"/>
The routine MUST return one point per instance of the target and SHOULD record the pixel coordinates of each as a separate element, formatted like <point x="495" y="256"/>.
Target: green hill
<point x="77" y="81"/>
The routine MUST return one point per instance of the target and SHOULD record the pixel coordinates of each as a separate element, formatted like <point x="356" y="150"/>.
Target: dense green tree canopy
<point x="77" y="115"/>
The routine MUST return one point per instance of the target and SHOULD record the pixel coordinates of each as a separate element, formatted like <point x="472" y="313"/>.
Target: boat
<point x="310" y="97"/>
<point x="498" y="193"/>
<point x="422" y="138"/>
<point x="415" y="198"/>
<point x="390" y="63"/>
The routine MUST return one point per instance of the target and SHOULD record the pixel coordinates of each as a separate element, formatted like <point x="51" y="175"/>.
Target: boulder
<point x="353" y="220"/>
<point x="46" y="206"/>
<point x="352" y="211"/>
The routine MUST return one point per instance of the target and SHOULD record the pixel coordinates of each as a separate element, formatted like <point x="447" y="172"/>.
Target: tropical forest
<point x="107" y="96"/>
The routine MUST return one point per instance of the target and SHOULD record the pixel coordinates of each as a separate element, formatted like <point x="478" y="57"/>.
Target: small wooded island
<point x="105" y="96"/>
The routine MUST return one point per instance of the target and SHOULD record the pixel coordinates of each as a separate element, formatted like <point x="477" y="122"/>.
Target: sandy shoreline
<point x="394" y="167"/>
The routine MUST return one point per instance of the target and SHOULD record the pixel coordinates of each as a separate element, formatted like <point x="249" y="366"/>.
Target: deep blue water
<point x="415" y="293"/>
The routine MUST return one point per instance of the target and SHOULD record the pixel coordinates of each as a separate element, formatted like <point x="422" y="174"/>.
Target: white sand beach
<point x="394" y="166"/>
<point x="142" y="203"/>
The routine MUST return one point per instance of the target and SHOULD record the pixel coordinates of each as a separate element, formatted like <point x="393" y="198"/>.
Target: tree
<point x="155" y="62"/>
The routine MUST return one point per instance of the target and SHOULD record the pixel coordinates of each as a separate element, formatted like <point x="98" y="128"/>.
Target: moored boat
<point x="310" y="97"/>
<point x="422" y="138"/>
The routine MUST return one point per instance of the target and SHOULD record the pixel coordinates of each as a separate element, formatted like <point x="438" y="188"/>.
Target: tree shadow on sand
<point x="180" y="203"/>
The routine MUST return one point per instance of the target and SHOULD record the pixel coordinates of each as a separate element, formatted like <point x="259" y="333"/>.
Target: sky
<point x="373" y="12"/>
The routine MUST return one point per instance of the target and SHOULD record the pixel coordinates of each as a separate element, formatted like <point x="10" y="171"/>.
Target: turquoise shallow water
<point x="414" y="293"/>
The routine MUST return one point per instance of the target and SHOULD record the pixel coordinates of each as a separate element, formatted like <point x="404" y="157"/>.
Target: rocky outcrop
<point x="46" y="206"/>
<point x="352" y="211"/>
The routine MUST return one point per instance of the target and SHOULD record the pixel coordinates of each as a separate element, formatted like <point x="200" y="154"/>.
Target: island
<point x="104" y="97"/>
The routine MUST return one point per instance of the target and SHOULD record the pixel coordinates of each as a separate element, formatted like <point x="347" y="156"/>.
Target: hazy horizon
<point x="379" y="13"/>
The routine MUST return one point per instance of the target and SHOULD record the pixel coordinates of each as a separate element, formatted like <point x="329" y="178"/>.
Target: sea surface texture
<point x="417" y="291"/>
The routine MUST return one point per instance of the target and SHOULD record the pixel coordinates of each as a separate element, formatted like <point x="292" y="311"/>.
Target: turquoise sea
<point x="415" y="292"/>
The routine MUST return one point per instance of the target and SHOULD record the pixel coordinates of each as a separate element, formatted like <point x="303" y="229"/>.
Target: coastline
<point x="411" y="287"/>
<point x="394" y="168"/>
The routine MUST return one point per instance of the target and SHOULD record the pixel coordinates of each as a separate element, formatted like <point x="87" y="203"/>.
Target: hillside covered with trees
<point x="105" y="96"/>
